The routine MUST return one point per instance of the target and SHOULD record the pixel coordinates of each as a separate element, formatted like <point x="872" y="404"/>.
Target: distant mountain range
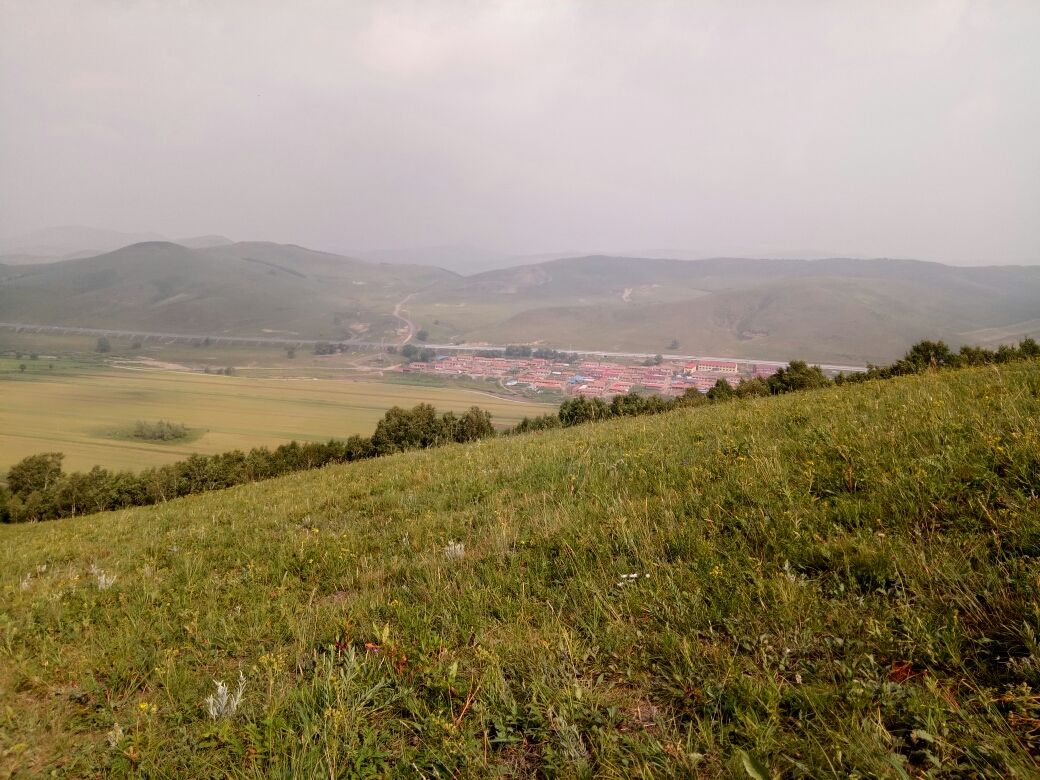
<point x="246" y="288"/>
<point x="833" y="310"/>
<point x="69" y="242"/>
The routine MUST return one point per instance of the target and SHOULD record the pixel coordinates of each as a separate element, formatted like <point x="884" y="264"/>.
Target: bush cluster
<point x="38" y="489"/>
<point x="162" y="430"/>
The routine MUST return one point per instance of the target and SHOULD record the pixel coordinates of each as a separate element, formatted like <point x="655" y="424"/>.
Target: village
<point x="593" y="378"/>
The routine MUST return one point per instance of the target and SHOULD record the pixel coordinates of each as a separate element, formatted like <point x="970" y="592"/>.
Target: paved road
<point x="192" y="338"/>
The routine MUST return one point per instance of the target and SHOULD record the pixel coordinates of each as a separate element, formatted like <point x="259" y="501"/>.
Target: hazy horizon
<point x="530" y="128"/>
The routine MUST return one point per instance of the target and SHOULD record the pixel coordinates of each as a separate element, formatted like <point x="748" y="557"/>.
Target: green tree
<point x="798" y="375"/>
<point x="103" y="345"/>
<point x="751" y="388"/>
<point x="422" y="335"/>
<point x="576" y="411"/>
<point x="406" y="429"/>
<point x="474" y="424"/>
<point x="35" y="473"/>
<point x="720" y="391"/>
<point x="930" y="354"/>
<point x="1029" y="349"/>
<point x="22" y="367"/>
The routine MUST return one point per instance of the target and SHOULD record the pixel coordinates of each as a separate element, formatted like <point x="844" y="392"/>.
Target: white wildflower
<point x="454" y="551"/>
<point x="627" y="578"/>
<point x="114" y="736"/>
<point x="224" y="704"/>
<point x="26" y="580"/>
<point x="104" y="580"/>
<point x="41" y="568"/>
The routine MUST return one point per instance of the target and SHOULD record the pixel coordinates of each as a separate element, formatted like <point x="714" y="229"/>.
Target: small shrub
<point x="161" y="430"/>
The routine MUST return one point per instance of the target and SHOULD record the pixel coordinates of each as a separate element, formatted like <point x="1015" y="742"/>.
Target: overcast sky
<point x="735" y="127"/>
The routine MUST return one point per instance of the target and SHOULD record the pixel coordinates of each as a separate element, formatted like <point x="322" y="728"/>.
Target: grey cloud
<point x="740" y="128"/>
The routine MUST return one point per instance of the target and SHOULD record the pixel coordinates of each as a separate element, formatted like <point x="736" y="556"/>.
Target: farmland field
<point x="82" y="409"/>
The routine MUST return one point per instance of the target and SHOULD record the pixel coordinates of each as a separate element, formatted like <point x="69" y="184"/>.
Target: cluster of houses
<point x="594" y="378"/>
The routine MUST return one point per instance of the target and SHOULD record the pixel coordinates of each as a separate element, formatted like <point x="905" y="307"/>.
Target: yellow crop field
<point x="81" y="410"/>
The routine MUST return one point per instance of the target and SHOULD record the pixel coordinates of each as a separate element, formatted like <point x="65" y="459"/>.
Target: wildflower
<point x="114" y="736"/>
<point x="627" y="578"/>
<point x="24" y="584"/>
<point x="454" y="551"/>
<point x="224" y="704"/>
<point x="104" y="580"/>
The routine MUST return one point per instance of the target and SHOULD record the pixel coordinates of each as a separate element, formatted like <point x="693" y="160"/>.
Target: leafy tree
<point x="751" y="388"/>
<point x="720" y="391"/>
<point x="929" y="354"/>
<point x="1029" y="349"/>
<point x="975" y="356"/>
<point x="103" y="345"/>
<point x="405" y="429"/>
<point x="22" y="367"/>
<point x="691" y="397"/>
<point x="422" y="335"/>
<point x="35" y="473"/>
<point x="474" y="424"/>
<point x="290" y="352"/>
<point x="409" y="351"/>
<point x="798" y="375"/>
<point x="673" y="344"/>
<point x="576" y="411"/>
<point x="545" y="422"/>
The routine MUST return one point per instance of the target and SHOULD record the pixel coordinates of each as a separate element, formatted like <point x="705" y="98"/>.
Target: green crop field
<point x="838" y="583"/>
<point x="83" y="409"/>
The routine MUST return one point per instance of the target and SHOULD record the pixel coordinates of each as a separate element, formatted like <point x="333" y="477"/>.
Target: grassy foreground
<point x="838" y="583"/>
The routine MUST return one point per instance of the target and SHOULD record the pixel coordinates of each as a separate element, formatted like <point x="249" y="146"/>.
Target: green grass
<point x="833" y="584"/>
<point x="77" y="406"/>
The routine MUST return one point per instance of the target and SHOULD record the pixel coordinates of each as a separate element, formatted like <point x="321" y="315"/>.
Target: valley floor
<point x="84" y="410"/>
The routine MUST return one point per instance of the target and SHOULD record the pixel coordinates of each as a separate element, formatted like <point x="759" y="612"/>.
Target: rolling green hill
<point x="247" y="288"/>
<point x="837" y="311"/>
<point x="829" y="310"/>
<point x="839" y="583"/>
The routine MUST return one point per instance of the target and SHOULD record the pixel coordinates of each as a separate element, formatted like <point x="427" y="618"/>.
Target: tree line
<point x="38" y="489"/>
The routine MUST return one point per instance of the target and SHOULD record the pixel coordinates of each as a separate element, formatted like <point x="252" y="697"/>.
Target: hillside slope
<point x="829" y="310"/>
<point x="835" y="583"/>
<point x="248" y="288"/>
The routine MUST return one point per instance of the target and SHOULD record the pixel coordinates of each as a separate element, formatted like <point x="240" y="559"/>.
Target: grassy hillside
<point x="840" y="583"/>
<point x="845" y="311"/>
<point x="248" y="288"/>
